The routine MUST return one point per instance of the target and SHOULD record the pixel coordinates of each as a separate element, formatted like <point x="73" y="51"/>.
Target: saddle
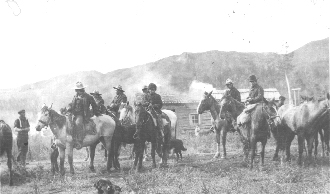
<point x="245" y="116"/>
<point x="90" y="126"/>
<point x="164" y="118"/>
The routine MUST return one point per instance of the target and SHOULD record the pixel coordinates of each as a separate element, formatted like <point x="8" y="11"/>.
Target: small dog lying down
<point x="104" y="186"/>
<point x="177" y="146"/>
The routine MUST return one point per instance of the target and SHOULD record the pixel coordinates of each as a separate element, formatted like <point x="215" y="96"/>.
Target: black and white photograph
<point x="164" y="97"/>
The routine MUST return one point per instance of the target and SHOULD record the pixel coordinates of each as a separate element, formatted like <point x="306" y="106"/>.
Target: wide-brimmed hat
<point x="229" y="81"/>
<point x="282" y="97"/>
<point x="119" y="88"/>
<point x="252" y="78"/>
<point x="21" y="111"/>
<point x="95" y="93"/>
<point x="145" y="87"/>
<point x="79" y="85"/>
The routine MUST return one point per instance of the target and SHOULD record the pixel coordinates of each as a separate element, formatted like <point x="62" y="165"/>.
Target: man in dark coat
<point x="256" y="94"/>
<point x="281" y="102"/>
<point x="80" y="109"/>
<point x="22" y="127"/>
<point x="154" y="103"/>
<point x="99" y="101"/>
<point x="232" y="91"/>
<point x="118" y="100"/>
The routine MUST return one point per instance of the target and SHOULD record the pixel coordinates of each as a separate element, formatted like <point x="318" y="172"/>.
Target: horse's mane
<point x="217" y="105"/>
<point x="237" y="103"/>
<point x="58" y="119"/>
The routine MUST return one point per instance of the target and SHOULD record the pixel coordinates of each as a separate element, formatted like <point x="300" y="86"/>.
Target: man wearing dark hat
<point x="256" y="94"/>
<point x="80" y="109"/>
<point x="232" y="91"/>
<point x="281" y="102"/>
<point x="22" y="127"/>
<point x="154" y="103"/>
<point x="118" y="99"/>
<point x="99" y="101"/>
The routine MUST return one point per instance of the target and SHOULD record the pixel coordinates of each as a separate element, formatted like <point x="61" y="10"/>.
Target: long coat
<point x="234" y="93"/>
<point x="256" y="94"/>
<point x="88" y="101"/>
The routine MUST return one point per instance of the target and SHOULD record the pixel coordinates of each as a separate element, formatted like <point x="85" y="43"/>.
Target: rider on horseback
<point x="99" y="101"/>
<point x="118" y="100"/>
<point x="234" y="93"/>
<point x="153" y="102"/>
<point x="80" y="109"/>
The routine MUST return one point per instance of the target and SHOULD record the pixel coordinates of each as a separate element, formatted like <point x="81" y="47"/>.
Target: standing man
<point x="80" y="109"/>
<point x="232" y="91"/>
<point x="118" y="100"/>
<point x="22" y="127"/>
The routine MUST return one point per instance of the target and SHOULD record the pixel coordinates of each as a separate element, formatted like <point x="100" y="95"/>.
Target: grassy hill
<point x="307" y="68"/>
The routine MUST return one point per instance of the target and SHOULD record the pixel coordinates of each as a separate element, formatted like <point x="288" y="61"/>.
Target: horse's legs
<point x="316" y="137"/>
<point x="92" y="156"/>
<point x="146" y="151"/>
<point x="262" y="154"/>
<point x="153" y="154"/>
<point x="117" y="146"/>
<point x="107" y="142"/>
<point x="105" y="154"/>
<point x="290" y="137"/>
<point x="164" y="152"/>
<point x="9" y="164"/>
<point x="140" y="150"/>
<point x="253" y="151"/>
<point x="217" y="139"/>
<point x="301" y="144"/>
<point x="87" y="154"/>
<point x="223" y="137"/>
<point x="322" y="142"/>
<point x="62" y="159"/>
<point x="326" y="140"/>
<point x="136" y="152"/>
<point x="70" y="157"/>
<point x="180" y="154"/>
<point x="310" y="140"/>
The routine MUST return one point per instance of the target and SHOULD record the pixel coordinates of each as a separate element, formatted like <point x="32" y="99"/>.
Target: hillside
<point x="307" y="68"/>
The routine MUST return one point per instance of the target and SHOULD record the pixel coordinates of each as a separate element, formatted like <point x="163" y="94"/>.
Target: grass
<point x="196" y="173"/>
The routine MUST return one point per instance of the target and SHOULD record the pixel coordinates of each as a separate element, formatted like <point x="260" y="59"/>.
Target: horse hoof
<point x="92" y="169"/>
<point x="86" y="159"/>
<point x="217" y="155"/>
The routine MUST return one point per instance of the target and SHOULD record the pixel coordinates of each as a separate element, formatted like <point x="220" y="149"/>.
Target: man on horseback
<point x="153" y="102"/>
<point x="234" y="93"/>
<point x="80" y="109"/>
<point x="281" y="102"/>
<point x="118" y="100"/>
<point x="99" y="101"/>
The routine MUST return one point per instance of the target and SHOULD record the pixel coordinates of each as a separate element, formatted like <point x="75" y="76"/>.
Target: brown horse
<point x="105" y="132"/>
<point x="208" y="103"/>
<point x="304" y="121"/>
<point x="148" y="132"/>
<point x="6" y="144"/>
<point x="256" y="130"/>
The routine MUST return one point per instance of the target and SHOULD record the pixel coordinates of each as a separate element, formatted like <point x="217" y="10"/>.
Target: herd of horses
<point x="305" y="121"/>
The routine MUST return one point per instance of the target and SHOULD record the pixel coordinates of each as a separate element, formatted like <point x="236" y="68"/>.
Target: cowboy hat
<point x="21" y="111"/>
<point x="95" y="93"/>
<point x="145" y="87"/>
<point x="119" y="88"/>
<point x="79" y="85"/>
<point x="229" y="81"/>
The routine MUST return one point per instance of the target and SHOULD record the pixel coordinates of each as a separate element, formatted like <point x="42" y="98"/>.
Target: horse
<point x="60" y="126"/>
<point x="127" y="118"/>
<point x="141" y="119"/>
<point x="304" y="121"/>
<point x="208" y="103"/>
<point x="6" y="144"/>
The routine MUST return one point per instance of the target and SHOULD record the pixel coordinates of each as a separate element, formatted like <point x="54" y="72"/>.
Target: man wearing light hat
<point x="232" y="91"/>
<point x="118" y="99"/>
<point x="99" y="101"/>
<point x="22" y="127"/>
<point x="80" y="109"/>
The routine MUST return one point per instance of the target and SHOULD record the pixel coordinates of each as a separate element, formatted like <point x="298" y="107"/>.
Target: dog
<point x="177" y="146"/>
<point x="104" y="186"/>
<point x="53" y="157"/>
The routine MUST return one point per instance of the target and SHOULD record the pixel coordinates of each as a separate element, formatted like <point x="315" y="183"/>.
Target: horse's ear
<point x="210" y="93"/>
<point x="328" y="96"/>
<point x="51" y="106"/>
<point x="127" y="102"/>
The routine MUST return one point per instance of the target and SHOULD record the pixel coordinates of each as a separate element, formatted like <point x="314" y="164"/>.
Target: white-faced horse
<point x="105" y="132"/>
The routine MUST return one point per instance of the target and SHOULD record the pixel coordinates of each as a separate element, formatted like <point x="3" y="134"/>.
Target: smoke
<point x="196" y="89"/>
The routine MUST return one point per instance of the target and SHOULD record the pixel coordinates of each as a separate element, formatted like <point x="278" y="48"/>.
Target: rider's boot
<point x="160" y="127"/>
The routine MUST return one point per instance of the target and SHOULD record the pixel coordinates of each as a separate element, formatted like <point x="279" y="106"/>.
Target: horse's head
<point x="206" y="103"/>
<point x="126" y="114"/>
<point x="45" y="117"/>
<point x="140" y="114"/>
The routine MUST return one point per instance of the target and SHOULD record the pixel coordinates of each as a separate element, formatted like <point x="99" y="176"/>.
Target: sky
<point x="41" y="39"/>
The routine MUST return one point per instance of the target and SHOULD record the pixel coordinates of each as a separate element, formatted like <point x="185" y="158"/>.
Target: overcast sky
<point x="41" y="39"/>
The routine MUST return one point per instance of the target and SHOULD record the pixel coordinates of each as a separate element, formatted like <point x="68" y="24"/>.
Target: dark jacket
<point x="256" y="94"/>
<point x="22" y="136"/>
<point x="117" y="101"/>
<point x="100" y="104"/>
<point x="156" y="101"/>
<point x="87" y="101"/>
<point x="234" y="93"/>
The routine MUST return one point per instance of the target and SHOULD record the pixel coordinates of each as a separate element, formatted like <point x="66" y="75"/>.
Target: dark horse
<point x="208" y="103"/>
<point x="254" y="131"/>
<point x="6" y="144"/>
<point x="144" y="122"/>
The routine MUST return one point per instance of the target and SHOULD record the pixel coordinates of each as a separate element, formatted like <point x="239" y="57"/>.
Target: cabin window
<point x="193" y="119"/>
